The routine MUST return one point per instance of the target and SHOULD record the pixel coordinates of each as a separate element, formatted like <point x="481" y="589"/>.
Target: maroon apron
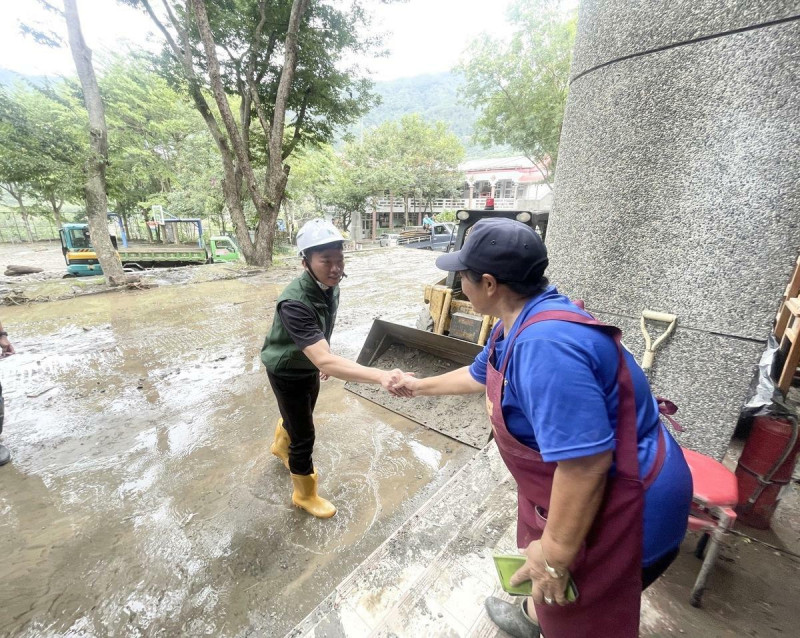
<point x="608" y="568"/>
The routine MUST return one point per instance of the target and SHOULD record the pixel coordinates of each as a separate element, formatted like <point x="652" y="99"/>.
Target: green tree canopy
<point x="157" y="142"/>
<point x="408" y="157"/>
<point x="520" y="86"/>
<point x="282" y="65"/>
<point x="42" y="147"/>
<point x="151" y="127"/>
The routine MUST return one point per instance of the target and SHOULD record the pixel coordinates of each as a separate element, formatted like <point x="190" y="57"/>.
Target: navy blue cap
<point x="508" y="249"/>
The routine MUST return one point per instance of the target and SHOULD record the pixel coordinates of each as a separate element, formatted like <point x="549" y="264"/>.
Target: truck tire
<point x="424" y="320"/>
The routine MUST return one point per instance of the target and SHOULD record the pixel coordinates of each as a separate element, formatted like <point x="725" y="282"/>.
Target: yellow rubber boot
<point x="280" y="446"/>
<point x="305" y="496"/>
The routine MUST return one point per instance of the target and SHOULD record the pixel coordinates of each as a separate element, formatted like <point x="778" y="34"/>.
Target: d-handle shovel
<point x="650" y="347"/>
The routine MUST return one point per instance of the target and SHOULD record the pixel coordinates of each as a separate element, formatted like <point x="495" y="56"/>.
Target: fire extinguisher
<point x="765" y="468"/>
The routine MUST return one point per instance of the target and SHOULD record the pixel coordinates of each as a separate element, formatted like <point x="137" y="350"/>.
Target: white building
<point x="515" y="183"/>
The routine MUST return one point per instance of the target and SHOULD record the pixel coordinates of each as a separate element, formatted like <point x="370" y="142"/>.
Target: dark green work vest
<point x="280" y="355"/>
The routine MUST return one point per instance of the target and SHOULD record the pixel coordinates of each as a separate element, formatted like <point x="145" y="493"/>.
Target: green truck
<point x="82" y="261"/>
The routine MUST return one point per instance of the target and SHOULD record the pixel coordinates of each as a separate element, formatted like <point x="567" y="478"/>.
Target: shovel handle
<point x="653" y="315"/>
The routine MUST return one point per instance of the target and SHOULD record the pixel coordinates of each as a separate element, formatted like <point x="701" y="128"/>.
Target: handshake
<point x="399" y="383"/>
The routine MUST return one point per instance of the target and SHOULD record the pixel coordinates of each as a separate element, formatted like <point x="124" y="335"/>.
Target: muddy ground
<point x="142" y="498"/>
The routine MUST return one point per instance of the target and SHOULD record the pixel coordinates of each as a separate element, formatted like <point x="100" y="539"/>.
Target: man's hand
<point x="6" y="347"/>
<point x="546" y="589"/>
<point x="390" y="380"/>
<point x="408" y="384"/>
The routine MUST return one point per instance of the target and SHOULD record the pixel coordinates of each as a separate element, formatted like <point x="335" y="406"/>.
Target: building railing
<point x="384" y="205"/>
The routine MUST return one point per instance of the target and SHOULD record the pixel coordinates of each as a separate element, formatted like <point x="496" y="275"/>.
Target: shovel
<point x="650" y="346"/>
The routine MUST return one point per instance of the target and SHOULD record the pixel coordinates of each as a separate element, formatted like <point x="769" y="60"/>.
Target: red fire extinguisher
<point x="765" y="468"/>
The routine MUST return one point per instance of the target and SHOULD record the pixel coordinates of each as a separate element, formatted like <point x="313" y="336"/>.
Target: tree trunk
<point x="56" y="206"/>
<point x="126" y="226"/>
<point x="96" y="199"/>
<point x="267" y="204"/>
<point x="233" y="199"/>
<point x="27" y="222"/>
<point x="17" y="194"/>
<point x="147" y="226"/>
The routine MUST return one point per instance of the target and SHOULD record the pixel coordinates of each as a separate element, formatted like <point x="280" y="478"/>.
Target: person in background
<point x="489" y="203"/>
<point x="427" y="222"/>
<point x="6" y="350"/>
<point x="603" y="489"/>
<point x="297" y="354"/>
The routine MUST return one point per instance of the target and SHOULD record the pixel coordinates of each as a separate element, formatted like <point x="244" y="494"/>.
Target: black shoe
<point x="512" y="619"/>
<point x="5" y="455"/>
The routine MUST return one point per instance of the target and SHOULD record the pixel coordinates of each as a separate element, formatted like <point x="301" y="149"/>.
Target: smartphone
<point x="508" y="564"/>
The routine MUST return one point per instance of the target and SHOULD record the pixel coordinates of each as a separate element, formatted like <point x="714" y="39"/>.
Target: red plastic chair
<point x="715" y="495"/>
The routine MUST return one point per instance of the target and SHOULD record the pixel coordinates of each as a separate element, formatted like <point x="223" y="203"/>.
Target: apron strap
<point x="626" y="435"/>
<point x="658" y="462"/>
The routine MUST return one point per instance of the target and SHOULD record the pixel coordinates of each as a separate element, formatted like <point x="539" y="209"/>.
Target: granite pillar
<point x="677" y="187"/>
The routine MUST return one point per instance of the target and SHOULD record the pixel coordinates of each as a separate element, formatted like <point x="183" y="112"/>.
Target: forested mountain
<point x="434" y="97"/>
<point x="8" y="78"/>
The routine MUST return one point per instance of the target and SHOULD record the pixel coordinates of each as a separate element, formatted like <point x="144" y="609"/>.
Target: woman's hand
<point x="323" y="376"/>
<point x="546" y="589"/>
<point x="407" y="385"/>
<point x="391" y="381"/>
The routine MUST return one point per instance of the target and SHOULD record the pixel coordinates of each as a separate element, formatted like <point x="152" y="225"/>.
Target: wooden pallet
<point x="790" y="344"/>
<point x="792" y="292"/>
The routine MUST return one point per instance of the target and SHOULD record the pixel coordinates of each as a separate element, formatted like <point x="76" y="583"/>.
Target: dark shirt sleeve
<point x="300" y="323"/>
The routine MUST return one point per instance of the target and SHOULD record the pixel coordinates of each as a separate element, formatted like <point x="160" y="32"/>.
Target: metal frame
<point x="714" y="520"/>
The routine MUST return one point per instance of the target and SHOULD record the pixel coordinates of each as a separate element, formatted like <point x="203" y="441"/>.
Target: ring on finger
<point x="547" y="600"/>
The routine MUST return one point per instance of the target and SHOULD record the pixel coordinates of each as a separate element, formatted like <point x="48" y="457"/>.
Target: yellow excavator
<point x="448" y="311"/>
<point x="449" y="334"/>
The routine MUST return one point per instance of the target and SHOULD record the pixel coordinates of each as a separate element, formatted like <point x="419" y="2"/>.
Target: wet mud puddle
<point x="142" y="498"/>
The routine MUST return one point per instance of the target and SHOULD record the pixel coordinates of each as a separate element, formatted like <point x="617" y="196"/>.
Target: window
<point x="80" y="238"/>
<point x="224" y="246"/>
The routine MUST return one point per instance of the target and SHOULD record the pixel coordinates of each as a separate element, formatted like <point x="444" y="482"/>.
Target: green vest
<point x="280" y="355"/>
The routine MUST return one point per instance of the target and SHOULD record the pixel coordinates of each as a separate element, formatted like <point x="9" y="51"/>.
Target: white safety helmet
<point x="317" y="232"/>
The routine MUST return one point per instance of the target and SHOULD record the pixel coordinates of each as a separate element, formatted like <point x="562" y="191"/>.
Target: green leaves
<point x="520" y="86"/>
<point x="155" y="139"/>
<point x="408" y="157"/>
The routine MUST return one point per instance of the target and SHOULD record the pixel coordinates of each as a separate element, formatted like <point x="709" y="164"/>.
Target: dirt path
<point x="142" y="498"/>
<point x="43" y="254"/>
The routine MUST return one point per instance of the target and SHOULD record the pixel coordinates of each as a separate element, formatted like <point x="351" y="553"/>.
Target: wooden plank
<point x="792" y="291"/>
<point x="793" y="287"/>
<point x="790" y="344"/>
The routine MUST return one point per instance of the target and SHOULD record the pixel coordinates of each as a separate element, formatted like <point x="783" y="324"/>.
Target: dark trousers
<point x="652" y="572"/>
<point x="296" y="400"/>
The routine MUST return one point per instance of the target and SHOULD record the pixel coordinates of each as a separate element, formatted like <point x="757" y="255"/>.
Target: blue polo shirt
<point x="561" y="399"/>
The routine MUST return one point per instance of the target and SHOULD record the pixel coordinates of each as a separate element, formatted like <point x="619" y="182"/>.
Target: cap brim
<point x="450" y="262"/>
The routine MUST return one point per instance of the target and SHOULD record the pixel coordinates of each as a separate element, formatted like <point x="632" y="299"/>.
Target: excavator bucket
<point x="390" y="346"/>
